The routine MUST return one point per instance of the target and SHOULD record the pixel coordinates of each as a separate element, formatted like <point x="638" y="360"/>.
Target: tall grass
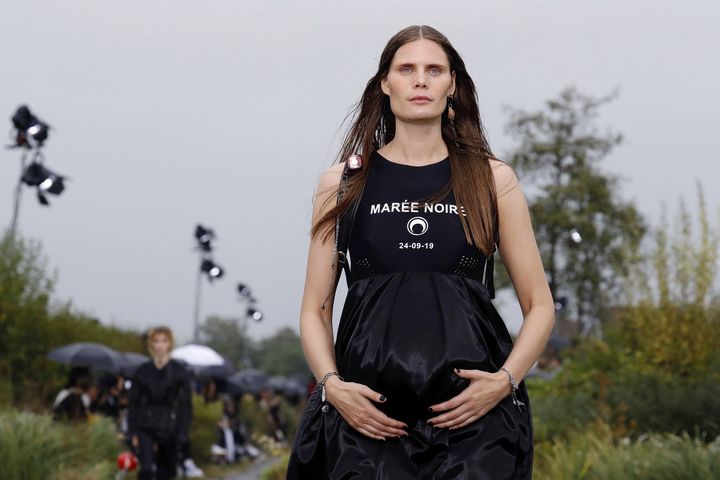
<point x="594" y="455"/>
<point x="33" y="447"/>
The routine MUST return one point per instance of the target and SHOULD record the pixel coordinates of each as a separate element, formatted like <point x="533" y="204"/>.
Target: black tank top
<point x="394" y="232"/>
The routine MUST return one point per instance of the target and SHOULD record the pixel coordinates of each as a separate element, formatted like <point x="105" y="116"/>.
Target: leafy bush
<point x="27" y="377"/>
<point x="604" y="383"/>
<point x="203" y="430"/>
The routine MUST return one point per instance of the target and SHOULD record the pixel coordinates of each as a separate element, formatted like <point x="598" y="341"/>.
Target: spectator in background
<point x="108" y="403"/>
<point x="270" y="404"/>
<point x="233" y="441"/>
<point x="69" y="403"/>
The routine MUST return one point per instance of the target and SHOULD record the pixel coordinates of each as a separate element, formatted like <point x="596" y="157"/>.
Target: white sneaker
<point x="192" y="470"/>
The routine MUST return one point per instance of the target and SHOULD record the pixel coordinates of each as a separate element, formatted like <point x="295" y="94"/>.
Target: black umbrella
<point x="93" y="355"/>
<point x="130" y="361"/>
<point x="247" y="381"/>
<point x="287" y="387"/>
<point x="217" y="372"/>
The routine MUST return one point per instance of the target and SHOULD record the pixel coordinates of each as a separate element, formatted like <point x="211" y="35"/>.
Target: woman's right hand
<point x="352" y="400"/>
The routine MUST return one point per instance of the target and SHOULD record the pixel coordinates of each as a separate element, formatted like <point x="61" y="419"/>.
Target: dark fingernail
<point x="430" y="409"/>
<point x="382" y="398"/>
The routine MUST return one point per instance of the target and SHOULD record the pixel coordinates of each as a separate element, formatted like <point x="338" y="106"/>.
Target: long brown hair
<point x="373" y="126"/>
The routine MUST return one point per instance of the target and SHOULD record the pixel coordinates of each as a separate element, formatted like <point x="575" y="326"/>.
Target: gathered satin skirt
<point x="402" y="334"/>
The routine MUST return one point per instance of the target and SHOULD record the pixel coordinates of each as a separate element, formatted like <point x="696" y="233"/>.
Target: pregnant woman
<point x="423" y="380"/>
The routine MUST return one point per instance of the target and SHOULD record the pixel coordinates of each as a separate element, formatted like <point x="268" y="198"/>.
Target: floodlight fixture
<point x="205" y="237"/>
<point x="211" y="269"/>
<point x="575" y="236"/>
<point x="31" y="132"/>
<point x="45" y="181"/>
<point x="255" y="314"/>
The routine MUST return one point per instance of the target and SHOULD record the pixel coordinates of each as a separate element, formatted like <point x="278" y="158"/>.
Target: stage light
<point x="212" y="270"/>
<point x="560" y="303"/>
<point x="205" y="237"/>
<point x="255" y="314"/>
<point x="36" y="175"/>
<point x="575" y="236"/>
<point x="31" y="132"/>
<point x="243" y="290"/>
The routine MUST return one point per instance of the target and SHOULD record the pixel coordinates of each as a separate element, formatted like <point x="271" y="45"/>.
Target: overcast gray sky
<point x="173" y="112"/>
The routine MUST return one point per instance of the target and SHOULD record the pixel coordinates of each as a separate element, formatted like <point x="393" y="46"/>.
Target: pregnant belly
<point x="403" y="333"/>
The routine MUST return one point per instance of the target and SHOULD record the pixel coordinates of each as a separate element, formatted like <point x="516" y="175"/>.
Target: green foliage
<point x="672" y="324"/>
<point x="601" y="382"/>
<point x="559" y="152"/>
<point x="203" y="429"/>
<point x="228" y="337"/>
<point x="278" y="471"/>
<point x="34" y="447"/>
<point x="27" y="377"/>
<point x="595" y="454"/>
<point x="282" y="354"/>
<point x="657" y="368"/>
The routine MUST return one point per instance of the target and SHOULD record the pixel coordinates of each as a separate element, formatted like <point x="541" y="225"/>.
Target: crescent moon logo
<point x="417" y="226"/>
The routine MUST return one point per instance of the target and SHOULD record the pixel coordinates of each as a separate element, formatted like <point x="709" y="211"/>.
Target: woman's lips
<point x="420" y="99"/>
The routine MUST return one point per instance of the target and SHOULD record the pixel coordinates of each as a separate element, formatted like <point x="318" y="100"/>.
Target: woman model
<point x="424" y="380"/>
<point x="160" y="408"/>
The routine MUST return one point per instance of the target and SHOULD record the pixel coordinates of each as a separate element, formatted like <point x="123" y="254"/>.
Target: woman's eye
<point x="405" y="69"/>
<point x="435" y="71"/>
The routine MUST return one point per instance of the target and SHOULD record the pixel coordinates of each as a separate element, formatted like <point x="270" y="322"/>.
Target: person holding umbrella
<point x="160" y="408"/>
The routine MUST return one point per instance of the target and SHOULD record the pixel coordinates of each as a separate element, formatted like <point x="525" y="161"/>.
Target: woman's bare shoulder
<point x="505" y="178"/>
<point x="330" y="177"/>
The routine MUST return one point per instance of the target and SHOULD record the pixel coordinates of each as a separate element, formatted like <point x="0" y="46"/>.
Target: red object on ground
<point x="127" y="461"/>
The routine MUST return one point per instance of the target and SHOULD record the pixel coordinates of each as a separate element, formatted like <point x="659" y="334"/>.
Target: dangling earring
<point x="451" y="110"/>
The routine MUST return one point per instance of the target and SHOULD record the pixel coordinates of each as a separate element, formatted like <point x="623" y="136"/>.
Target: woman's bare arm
<point x="519" y="251"/>
<point x="316" y="330"/>
<point x="352" y="400"/>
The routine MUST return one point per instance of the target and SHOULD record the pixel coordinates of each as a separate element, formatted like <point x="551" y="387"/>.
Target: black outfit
<point x="418" y="305"/>
<point x="71" y="408"/>
<point x="159" y="413"/>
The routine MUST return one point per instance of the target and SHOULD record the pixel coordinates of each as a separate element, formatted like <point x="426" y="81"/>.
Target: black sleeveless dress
<point x="417" y="307"/>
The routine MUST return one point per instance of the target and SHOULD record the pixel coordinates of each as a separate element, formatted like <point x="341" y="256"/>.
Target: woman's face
<point x="160" y="345"/>
<point x="419" y="82"/>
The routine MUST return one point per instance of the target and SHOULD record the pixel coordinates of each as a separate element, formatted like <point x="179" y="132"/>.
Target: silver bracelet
<point x="515" y="400"/>
<point x="321" y="385"/>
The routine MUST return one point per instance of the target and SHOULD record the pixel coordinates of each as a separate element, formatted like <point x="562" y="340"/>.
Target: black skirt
<point x="402" y="334"/>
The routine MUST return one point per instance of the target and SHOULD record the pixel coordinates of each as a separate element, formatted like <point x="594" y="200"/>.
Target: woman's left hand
<point x="484" y="392"/>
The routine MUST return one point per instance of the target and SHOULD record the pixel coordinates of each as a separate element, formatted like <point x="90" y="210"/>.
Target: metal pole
<point x="196" y="318"/>
<point x="246" y="344"/>
<point x="18" y="192"/>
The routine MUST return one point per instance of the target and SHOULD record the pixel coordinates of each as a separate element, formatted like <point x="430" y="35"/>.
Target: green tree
<point x="228" y="337"/>
<point x="588" y="237"/>
<point x="25" y="289"/>
<point x="30" y="327"/>
<point x="282" y="354"/>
